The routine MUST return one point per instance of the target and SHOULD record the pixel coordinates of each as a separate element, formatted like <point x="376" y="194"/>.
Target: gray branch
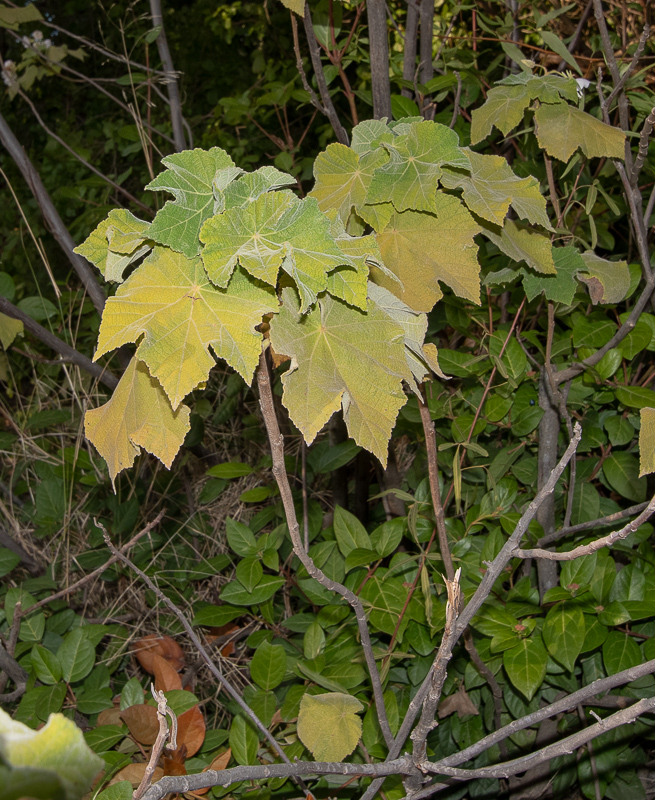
<point x="172" y="86"/>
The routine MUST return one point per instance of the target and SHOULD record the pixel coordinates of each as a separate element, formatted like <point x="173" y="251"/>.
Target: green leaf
<point x="412" y="247"/>
<point x="313" y="641"/>
<point x="386" y="537"/>
<point x="369" y="135"/>
<point x="328" y="725"/>
<point x="646" y="441"/>
<point x="76" y="656"/>
<point x="607" y="281"/>
<point x="139" y="414"/>
<point x="189" y="176"/>
<point x="46" y="665"/>
<point x="58" y="747"/>
<point x="180" y="314"/>
<point x="118" y="791"/>
<point x="341" y="358"/>
<point x="10" y="328"/>
<point x="11" y="18"/>
<point x="524" y="244"/>
<point x="559" y="288"/>
<point x="385" y="599"/>
<point x="8" y="560"/>
<point x="276" y="229"/>
<point x="116" y="243"/>
<point x="349" y="531"/>
<point x="132" y="694"/>
<point x="621" y="471"/>
<point x="236" y="594"/>
<point x="492" y="187"/>
<point x="253" y="184"/>
<point x="249" y="572"/>
<point x="39" y="308"/>
<point x="553" y="42"/>
<point x="562" y="128"/>
<point x="230" y="469"/>
<point x="525" y="665"/>
<point x="243" y="741"/>
<point x="240" y="538"/>
<point x="297" y="6"/>
<point x="504" y="108"/>
<point x="564" y="633"/>
<point x="216" y="616"/>
<point x="409" y="180"/>
<point x="323" y="457"/>
<point x="635" y="396"/>
<point x="343" y="177"/>
<point x="104" y="737"/>
<point x="620" y="652"/>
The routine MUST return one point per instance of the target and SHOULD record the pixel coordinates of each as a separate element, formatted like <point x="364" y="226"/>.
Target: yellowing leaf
<point x="504" y="108"/>
<point x="423" y="249"/>
<point x="189" y="177"/>
<point x="328" y="725"/>
<point x="562" y="128"/>
<point x="608" y="281"/>
<point x="343" y="177"/>
<point x="411" y="177"/>
<point x="419" y="359"/>
<point x="116" y="243"/>
<point x="297" y="6"/>
<point x="253" y="184"/>
<point x="170" y="300"/>
<point x="59" y="747"/>
<point x="13" y="17"/>
<point x="524" y="244"/>
<point x="138" y="415"/>
<point x="370" y="134"/>
<point x="341" y="357"/>
<point x="647" y="441"/>
<point x="10" y="328"/>
<point x="491" y="187"/>
<point x="276" y="230"/>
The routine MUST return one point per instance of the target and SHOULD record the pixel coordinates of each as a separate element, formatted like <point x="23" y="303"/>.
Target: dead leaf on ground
<point x="174" y="763"/>
<point x="110" y="716"/>
<point x="459" y="702"/>
<point x="223" y="630"/>
<point x="166" y="677"/>
<point x="219" y="763"/>
<point x="191" y="730"/>
<point x="166" y="647"/>
<point x="134" y="773"/>
<point x="142" y="722"/>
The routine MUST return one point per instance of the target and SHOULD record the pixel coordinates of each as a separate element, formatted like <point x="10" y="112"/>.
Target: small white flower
<point x="37" y="36"/>
<point x="9" y="77"/>
<point x="583" y="84"/>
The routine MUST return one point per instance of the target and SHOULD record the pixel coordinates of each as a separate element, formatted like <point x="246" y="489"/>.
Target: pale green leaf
<point x="492" y="187"/>
<point x="189" y="176"/>
<point x="504" y="108"/>
<point x="297" y="6"/>
<point x="13" y="17"/>
<point x="348" y="283"/>
<point x="125" y="232"/>
<point x="59" y="748"/>
<point x="171" y="301"/>
<point x="341" y="357"/>
<point x="411" y="177"/>
<point x="377" y="216"/>
<point x="276" y="230"/>
<point x="10" y="328"/>
<point x="552" y="41"/>
<point x="343" y="177"/>
<point x="139" y="414"/>
<point x="328" y="725"/>
<point x="423" y="249"/>
<point x="560" y="288"/>
<point x="608" y="281"/>
<point x="647" y="442"/>
<point x="253" y="184"/>
<point x="562" y="128"/>
<point x="370" y="134"/>
<point x="524" y="244"/>
<point x="116" y="243"/>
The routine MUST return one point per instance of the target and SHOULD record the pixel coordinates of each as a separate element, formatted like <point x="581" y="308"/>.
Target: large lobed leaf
<point x="117" y="242"/>
<point x="562" y="128"/>
<point x="328" y="725"/>
<point x="342" y="357"/>
<point x="170" y="301"/>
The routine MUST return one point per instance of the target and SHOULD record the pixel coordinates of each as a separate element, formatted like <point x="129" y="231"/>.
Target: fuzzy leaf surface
<point x="342" y="357"/>
<point x="647" y="441"/>
<point x="116" y="243"/>
<point x="424" y="249"/>
<point x="170" y="301"/>
<point x="608" y="281"/>
<point x="253" y="184"/>
<point x="276" y="230"/>
<point x="328" y="725"/>
<point x="491" y="187"/>
<point x="137" y="415"/>
<point x="189" y="176"/>
<point x="10" y="328"/>
<point x="560" y="288"/>
<point x="562" y="128"/>
<point x="524" y="244"/>
<point x="411" y="177"/>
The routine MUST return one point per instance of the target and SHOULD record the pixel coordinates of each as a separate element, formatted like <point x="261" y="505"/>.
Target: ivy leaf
<point x="647" y="441"/>
<point x="253" y="184"/>
<point x="423" y="249"/>
<point x="171" y="301"/>
<point x="561" y="287"/>
<point x="116" y="243"/>
<point x="276" y="230"/>
<point x="421" y="358"/>
<point x="343" y="177"/>
<point x="189" y="176"/>
<point x="328" y="725"/>
<point x="524" y="244"/>
<point x="607" y="281"/>
<point x="138" y="415"/>
<point x="411" y="177"/>
<point x="341" y="357"/>
<point x="562" y="128"/>
<point x="492" y="186"/>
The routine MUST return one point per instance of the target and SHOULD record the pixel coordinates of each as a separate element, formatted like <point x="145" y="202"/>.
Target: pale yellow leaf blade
<point x="341" y="357"/>
<point x="647" y="442"/>
<point x="137" y="415"/>
<point x="423" y="250"/>
<point x="612" y="278"/>
<point x="562" y="128"/>
<point x="297" y="6"/>
<point x="328" y="725"/>
<point x="10" y="328"/>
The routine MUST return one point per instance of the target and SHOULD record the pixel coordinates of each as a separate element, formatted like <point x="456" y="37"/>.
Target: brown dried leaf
<point x="174" y="764"/>
<point x="142" y="722"/>
<point x="163" y="646"/>
<point x="134" y="773"/>
<point x="220" y="762"/>
<point x="459" y="702"/>
<point x="110" y="716"/>
<point x="166" y="677"/>
<point x="191" y="730"/>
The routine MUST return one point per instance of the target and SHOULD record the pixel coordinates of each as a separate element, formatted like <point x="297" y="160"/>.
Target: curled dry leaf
<point x="142" y="722"/>
<point x="459" y="702"/>
<point x="134" y="773"/>
<point x="166" y="677"/>
<point x="191" y="730"/>
<point x="164" y="646"/>
<point x="174" y="764"/>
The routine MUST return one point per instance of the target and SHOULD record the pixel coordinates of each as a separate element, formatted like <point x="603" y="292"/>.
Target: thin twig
<point x="592" y="525"/>
<point x="458" y="95"/>
<point x="301" y="68"/>
<point x="160" y="742"/>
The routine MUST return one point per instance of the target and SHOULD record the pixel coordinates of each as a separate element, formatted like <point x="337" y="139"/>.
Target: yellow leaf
<point x="647" y="442"/>
<point x="298" y="6"/>
<point x="10" y="328"/>
<point x="562" y="128"/>
<point x="328" y="725"/>
<point x="138" y="415"/>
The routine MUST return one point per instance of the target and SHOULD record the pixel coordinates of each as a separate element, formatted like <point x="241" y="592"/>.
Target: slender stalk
<point x="177" y="119"/>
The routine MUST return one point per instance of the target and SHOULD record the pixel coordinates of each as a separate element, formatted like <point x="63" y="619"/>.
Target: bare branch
<point x="300" y="67"/>
<point x="618" y="86"/>
<point x="177" y="119"/>
<point x="642" y="152"/>
<point x="594" y="523"/>
<point x="379" y="50"/>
